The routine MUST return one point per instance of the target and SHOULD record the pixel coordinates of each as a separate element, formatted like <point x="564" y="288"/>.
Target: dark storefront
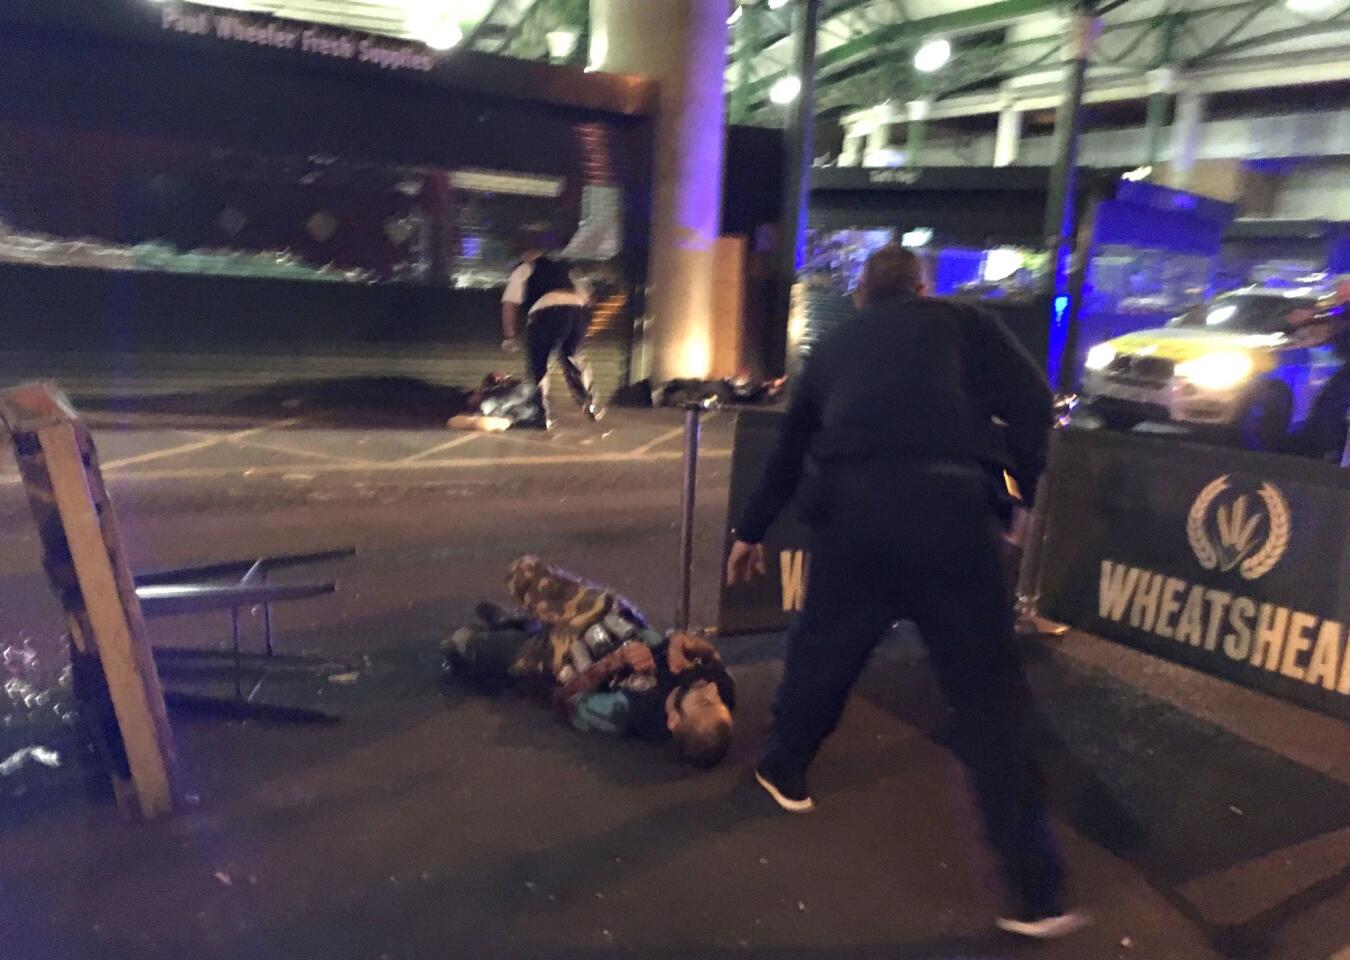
<point x="191" y="192"/>
<point x="979" y="230"/>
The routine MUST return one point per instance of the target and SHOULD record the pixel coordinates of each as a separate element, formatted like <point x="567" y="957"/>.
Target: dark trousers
<point x="894" y="542"/>
<point x="559" y="329"/>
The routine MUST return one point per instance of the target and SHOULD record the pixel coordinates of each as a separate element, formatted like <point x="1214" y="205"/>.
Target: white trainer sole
<point x="1047" y="928"/>
<point x="787" y="803"/>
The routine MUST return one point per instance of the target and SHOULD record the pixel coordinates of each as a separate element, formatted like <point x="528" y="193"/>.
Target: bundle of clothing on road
<point x="498" y="403"/>
<point x="740" y="390"/>
<point x="600" y="663"/>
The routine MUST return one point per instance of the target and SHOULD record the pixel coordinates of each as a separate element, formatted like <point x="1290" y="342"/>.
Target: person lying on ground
<point x="605" y="668"/>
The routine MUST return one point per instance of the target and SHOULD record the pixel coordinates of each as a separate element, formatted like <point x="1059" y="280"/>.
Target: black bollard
<point x="1345" y="455"/>
<point x="693" y="415"/>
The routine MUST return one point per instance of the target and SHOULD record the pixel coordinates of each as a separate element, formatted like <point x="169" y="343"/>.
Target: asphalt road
<point x="1200" y="821"/>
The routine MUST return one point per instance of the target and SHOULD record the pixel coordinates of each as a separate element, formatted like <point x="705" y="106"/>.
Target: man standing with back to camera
<point x="892" y="424"/>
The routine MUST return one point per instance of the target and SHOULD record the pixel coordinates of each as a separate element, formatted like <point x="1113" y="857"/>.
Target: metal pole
<point x="1059" y="211"/>
<point x="745" y="41"/>
<point x="688" y="490"/>
<point x="797" y="171"/>
<point x="1161" y="81"/>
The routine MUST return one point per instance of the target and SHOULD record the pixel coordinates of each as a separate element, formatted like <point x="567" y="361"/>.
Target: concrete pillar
<point x="879" y="137"/>
<point x="1161" y="84"/>
<point x="1009" y="136"/>
<point x="682" y="44"/>
<point x="1186" y="137"/>
<point x="916" y="136"/>
<point x="852" y="153"/>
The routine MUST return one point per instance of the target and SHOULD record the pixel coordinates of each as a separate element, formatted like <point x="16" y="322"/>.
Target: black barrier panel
<point x="1237" y="564"/>
<point x="766" y="604"/>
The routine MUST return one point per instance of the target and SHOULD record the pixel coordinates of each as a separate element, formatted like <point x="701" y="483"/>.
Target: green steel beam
<point x="482" y="24"/>
<point x="745" y="35"/>
<point x="515" y="28"/>
<point x="960" y="20"/>
<point x="1334" y="23"/>
<point x="959" y="71"/>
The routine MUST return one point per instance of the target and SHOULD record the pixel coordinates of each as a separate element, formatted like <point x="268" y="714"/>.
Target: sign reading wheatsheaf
<point x="263" y="31"/>
<point x="1235" y="563"/>
<point x="767" y="604"/>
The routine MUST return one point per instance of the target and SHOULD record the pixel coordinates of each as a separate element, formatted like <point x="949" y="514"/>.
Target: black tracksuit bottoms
<point x="559" y="329"/>
<point x="900" y="540"/>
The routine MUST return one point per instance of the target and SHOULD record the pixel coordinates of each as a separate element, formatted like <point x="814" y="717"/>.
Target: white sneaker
<point x="1045" y="928"/>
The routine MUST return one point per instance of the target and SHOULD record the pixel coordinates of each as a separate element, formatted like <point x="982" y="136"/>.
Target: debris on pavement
<point x="16" y="760"/>
<point x="345" y="679"/>
<point x="225" y="879"/>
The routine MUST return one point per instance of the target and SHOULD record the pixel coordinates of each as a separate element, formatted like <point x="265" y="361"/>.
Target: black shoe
<point x="788" y="788"/>
<point x="1044" y="926"/>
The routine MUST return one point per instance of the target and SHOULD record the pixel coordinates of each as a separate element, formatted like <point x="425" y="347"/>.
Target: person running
<point x="542" y="295"/>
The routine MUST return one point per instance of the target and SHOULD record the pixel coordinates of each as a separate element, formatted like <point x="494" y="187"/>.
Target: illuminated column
<point x="1186" y="137"/>
<point x="1161" y="85"/>
<point x="916" y="134"/>
<point x="878" y="139"/>
<point x="682" y="44"/>
<point x="1009" y="136"/>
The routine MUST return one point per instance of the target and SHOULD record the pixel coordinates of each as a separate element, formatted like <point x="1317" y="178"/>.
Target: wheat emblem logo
<point x="1249" y="534"/>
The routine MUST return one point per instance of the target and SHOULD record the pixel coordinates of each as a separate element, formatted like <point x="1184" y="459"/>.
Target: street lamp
<point x="933" y="55"/>
<point x="785" y="90"/>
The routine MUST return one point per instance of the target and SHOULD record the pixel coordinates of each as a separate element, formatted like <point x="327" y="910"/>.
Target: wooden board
<point x="89" y="573"/>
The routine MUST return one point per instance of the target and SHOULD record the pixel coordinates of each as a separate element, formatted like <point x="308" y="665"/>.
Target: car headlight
<point x="1100" y="356"/>
<point x="1216" y="371"/>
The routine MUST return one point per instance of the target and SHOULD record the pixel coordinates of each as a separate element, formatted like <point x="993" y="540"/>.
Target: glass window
<point x="1248" y="313"/>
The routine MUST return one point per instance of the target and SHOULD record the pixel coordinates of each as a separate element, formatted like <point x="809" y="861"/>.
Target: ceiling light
<point x="933" y="55"/>
<point x="785" y="89"/>
<point x="736" y="15"/>
<point x="777" y="4"/>
<point x="443" y="35"/>
<point x="1307" y="6"/>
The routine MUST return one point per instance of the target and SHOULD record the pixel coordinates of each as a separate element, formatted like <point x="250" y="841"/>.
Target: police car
<point x="1252" y="361"/>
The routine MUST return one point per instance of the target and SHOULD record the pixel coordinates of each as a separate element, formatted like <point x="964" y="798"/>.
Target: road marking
<point x="204" y="473"/>
<point x="1242" y="892"/>
<point x="297" y="451"/>
<point x="663" y="438"/>
<point x="448" y="445"/>
<point x="671" y="434"/>
<point x="196" y="445"/>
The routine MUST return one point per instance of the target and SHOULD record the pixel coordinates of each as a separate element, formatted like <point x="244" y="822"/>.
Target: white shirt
<point x="515" y="284"/>
<point x="558" y="298"/>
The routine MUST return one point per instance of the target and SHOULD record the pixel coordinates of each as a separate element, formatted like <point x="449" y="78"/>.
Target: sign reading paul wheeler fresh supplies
<point x="259" y="30"/>
<point x="1235" y="563"/>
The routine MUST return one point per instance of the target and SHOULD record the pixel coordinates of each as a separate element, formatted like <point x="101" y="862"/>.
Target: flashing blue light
<point x="1059" y="336"/>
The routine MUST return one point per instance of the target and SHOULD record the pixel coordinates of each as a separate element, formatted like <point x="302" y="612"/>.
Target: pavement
<point x="1199" y="820"/>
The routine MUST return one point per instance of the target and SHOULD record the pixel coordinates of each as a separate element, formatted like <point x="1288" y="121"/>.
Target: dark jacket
<point x="911" y="378"/>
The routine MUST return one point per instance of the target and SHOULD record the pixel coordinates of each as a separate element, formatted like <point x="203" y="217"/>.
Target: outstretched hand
<point x="745" y="563"/>
<point x="684" y="650"/>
